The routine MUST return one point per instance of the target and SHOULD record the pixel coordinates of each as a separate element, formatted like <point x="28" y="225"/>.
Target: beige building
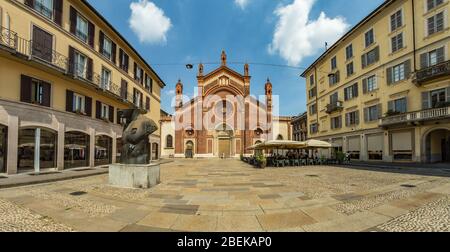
<point x="64" y="74"/>
<point x="382" y="92"/>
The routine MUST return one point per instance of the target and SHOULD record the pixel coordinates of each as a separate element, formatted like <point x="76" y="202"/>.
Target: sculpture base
<point x="134" y="176"/>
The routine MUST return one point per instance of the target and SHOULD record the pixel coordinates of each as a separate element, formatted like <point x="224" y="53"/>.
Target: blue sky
<point x="284" y="32"/>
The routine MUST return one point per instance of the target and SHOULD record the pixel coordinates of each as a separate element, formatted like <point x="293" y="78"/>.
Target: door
<point x="3" y="137"/>
<point x="224" y="148"/>
<point x="42" y="44"/>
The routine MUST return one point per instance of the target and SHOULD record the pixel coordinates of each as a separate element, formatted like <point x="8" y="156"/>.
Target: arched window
<point x="280" y="137"/>
<point x="76" y="150"/>
<point x="169" y="141"/>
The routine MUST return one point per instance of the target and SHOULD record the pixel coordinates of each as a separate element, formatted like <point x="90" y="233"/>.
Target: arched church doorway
<point x="189" y="151"/>
<point x="224" y="139"/>
<point x="437" y="146"/>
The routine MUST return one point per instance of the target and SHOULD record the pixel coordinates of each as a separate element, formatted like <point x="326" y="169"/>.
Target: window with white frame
<point x="372" y="83"/>
<point x="333" y="63"/>
<point x="106" y="79"/>
<point x="369" y="37"/>
<point x="80" y="65"/>
<point x="79" y="102"/>
<point x="349" y="52"/>
<point x="431" y="4"/>
<point x="398" y="72"/>
<point x="45" y="7"/>
<point x="372" y="113"/>
<point x="435" y="23"/>
<point x="107" y="47"/>
<point x="396" y="20"/>
<point x="82" y="28"/>
<point x="104" y="111"/>
<point x="350" y="69"/>
<point x="37" y="92"/>
<point x="397" y="42"/>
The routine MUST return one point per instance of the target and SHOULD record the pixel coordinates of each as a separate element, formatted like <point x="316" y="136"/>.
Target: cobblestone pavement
<point x="228" y="195"/>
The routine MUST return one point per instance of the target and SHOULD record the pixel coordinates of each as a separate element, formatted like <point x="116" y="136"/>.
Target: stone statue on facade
<point x="136" y="131"/>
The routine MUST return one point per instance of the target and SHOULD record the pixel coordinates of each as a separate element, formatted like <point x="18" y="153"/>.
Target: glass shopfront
<point x="103" y="150"/>
<point x="76" y="150"/>
<point x="3" y="141"/>
<point x="26" y="149"/>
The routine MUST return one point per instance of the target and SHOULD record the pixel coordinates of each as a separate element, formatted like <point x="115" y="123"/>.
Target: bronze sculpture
<point x="136" y="131"/>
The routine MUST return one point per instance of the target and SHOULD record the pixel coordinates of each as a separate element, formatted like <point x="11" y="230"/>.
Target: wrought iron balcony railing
<point x="433" y="72"/>
<point x="333" y="107"/>
<point x="42" y="54"/>
<point x="423" y="115"/>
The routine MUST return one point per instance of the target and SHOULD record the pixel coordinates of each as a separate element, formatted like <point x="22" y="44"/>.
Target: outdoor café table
<point x="286" y="162"/>
<point x="303" y="161"/>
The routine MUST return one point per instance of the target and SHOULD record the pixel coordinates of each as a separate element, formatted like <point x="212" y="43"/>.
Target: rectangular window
<point x="371" y="57"/>
<point x="372" y="83"/>
<point x="107" y="48"/>
<point x="372" y="113"/>
<point x="78" y="103"/>
<point x="82" y="29"/>
<point x="334" y="98"/>
<point x="399" y="105"/>
<point x="313" y="109"/>
<point x="80" y="65"/>
<point x="435" y="23"/>
<point x="104" y="111"/>
<point x="437" y="97"/>
<point x="313" y="92"/>
<point x="139" y="74"/>
<point x="336" y="122"/>
<point x="432" y="58"/>
<point x="431" y="4"/>
<point x="45" y="7"/>
<point x="351" y="92"/>
<point x="137" y="98"/>
<point x="352" y="118"/>
<point x="396" y="20"/>
<point x="333" y="63"/>
<point x="311" y="80"/>
<point x="397" y="42"/>
<point x="124" y="60"/>
<point x="369" y="38"/>
<point x="148" y="83"/>
<point x="37" y="92"/>
<point x="334" y="78"/>
<point x="398" y="72"/>
<point x="106" y="79"/>
<point x="349" y="52"/>
<point x="350" y="69"/>
<point x="314" y="128"/>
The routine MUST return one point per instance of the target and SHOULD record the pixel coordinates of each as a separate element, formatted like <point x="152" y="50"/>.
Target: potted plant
<point x="261" y="161"/>
<point x="340" y="156"/>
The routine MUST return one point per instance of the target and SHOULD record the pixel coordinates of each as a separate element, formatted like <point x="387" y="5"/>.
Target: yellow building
<point x="64" y="74"/>
<point x="382" y="91"/>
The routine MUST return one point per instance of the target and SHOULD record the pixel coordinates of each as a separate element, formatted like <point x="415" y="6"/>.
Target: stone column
<point x="114" y="148"/>
<point x="13" y="142"/>
<point x="60" y="151"/>
<point x="364" y="155"/>
<point x="418" y="144"/>
<point x="91" y="147"/>
<point x="387" y="157"/>
<point x="37" y="150"/>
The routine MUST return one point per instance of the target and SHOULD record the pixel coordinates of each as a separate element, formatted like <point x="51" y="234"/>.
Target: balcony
<point x="47" y="57"/>
<point x="418" y="116"/>
<point x="433" y="72"/>
<point x="334" y="107"/>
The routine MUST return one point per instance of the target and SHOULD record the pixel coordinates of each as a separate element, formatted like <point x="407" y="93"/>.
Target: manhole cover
<point x="408" y="186"/>
<point x="79" y="193"/>
<point x="312" y="176"/>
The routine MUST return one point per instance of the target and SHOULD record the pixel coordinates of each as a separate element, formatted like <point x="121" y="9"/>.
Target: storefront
<point x="402" y="145"/>
<point x="76" y="150"/>
<point x="103" y="150"/>
<point x="354" y="147"/>
<point x="375" y="147"/>
<point x="36" y="150"/>
<point x="3" y="147"/>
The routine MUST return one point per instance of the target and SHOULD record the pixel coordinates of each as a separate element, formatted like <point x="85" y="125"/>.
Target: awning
<point x="316" y="144"/>
<point x="278" y="144"/>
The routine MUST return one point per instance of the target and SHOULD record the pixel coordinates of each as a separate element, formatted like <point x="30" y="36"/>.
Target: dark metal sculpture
<point x="136" y="131"/>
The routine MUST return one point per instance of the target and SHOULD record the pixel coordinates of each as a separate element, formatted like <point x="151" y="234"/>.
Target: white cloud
<point x="242" y="3"/>
<point x="148" y="22"/>
<point x="296" y="36"/>
<point x="170" y="92"/>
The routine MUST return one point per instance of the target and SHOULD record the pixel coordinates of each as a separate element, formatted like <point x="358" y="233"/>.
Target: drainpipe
<point x="317" y="97"/>
<point x="414" y="34"/>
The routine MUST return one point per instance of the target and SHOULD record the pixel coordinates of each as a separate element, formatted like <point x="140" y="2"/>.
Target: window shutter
<point x="25" y="89"/>
<point x="69" y="101"/>
<point x="89" y="70"/>
<point x="448" y="94"/>
<point x="111" y="114"/>
<point x="366" y="114"/>
<point x="134" y="96"/>
<point x="357" y="117"/>
<point x="118" y="116"/>
<point x="440" y="55"/>
<point x="141" y="102"/>
<point x="431" y="29"/>
<point x="346" y="94"/>
<point x="127" y="62"/>
<point x="355" y="90"/>
<point x="151" y="85"/>
<point x="101" y="42"/>
<point x="91" y="33"/>
<point x="338" y="77"/>
<point x="88" y="106"/>
<point x="380" y="111"/>
<point x="135" y="71"/>
<point x="364" y="84"/>
<point x="425" y="100"/>
<point x="98" y="110"/>
<point x="71" y="60"/>
<point x="430" y="4"/>
<point x="439" y="22"/>
<point x="347" y="119"/>
<point x="121" y="62"/>
<point x="390" y="105"/>
<point x="123" y="89"/>
<point x="29" y="3"/>
<point x="406" y="103"/>
<point x="147" y="103"/>
<point x="73" y="20"/>
<point x="377" y="53"/>
<point x="424" y="60"/>
<point x="58" y="10"/>
<point x="145" y="81"/>
<point x="114" y="53"/>
<point x="46" y="94"/>
<point x="407" y="69"/>
<point x="389" y="75"/>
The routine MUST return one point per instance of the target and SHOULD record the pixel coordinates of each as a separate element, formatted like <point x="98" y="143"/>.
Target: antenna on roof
<point x="326" y="46"/>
